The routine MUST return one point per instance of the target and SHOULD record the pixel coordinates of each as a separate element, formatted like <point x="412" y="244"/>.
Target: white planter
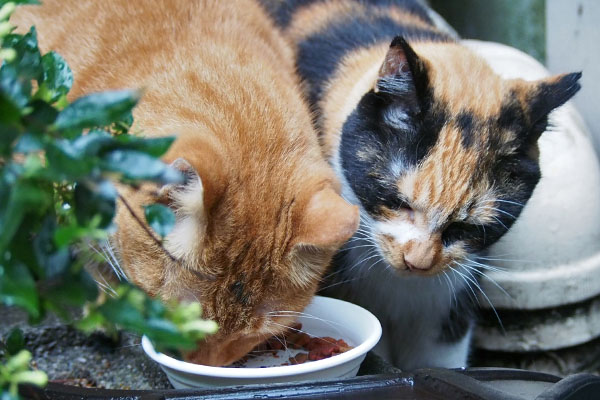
<point x="551" y="255"/>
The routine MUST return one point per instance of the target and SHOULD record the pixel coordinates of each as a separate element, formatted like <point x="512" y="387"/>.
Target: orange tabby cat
<point x="259" y="216"/>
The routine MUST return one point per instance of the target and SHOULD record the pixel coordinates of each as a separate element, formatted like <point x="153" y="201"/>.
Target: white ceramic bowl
<point x="324" y="316"/>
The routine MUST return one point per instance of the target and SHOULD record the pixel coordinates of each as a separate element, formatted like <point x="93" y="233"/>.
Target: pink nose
<point x="422" y="255"/>
<point x="415" y="265"/>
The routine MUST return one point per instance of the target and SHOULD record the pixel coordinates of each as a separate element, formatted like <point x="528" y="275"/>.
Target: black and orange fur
<point x="438" y="151"/>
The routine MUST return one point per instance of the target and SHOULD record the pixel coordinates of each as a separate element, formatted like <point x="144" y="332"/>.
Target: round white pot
<point x="551" y="255"/>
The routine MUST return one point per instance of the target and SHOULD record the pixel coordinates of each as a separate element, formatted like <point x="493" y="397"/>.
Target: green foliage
<point x="58" y="162"/>
<point x="160" y="218"/>
<point x="16" y="371"/>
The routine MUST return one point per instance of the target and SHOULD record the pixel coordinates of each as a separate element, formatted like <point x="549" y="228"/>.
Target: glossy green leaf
<point x="23" y="197"/>
<point x="123" y="125"/>
<point x="3" y="2"/>
<point x="52" y="260"/>
<point x="94" y="199"/>
<point x="41" y="115"/>
<point x="135" y="165"/>
<point x="97" y="109"/>
<point x="93" y="144"/>
<point x="17" y="288"/>
<point x="57" y="77"/>
<point x="14" y="93"/>
<point x="29" y="60"/>
<point x="71" y="234"/>
<point x="65" y="163"/>
<point x="155" y="147"/>
<point x="28" y="143"/>
<point x="160" y="218"/>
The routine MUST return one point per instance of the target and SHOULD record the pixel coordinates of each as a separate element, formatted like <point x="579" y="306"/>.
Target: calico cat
<point x="260" y="214"/>
<point x="437" y="150"/>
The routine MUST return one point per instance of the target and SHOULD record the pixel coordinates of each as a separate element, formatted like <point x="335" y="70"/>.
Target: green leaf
<point x="166" y="334"/>
<point x="97" y="109"/>
<point x="3" y="2"/>
<point x="74" y="289"/>
<point x="42" y="114"/>
<point x="8" y="135"/>
<point x="37" y="378"/>
<point x="19" y="361"/>
<point x="95" y="199"/>
<point x="155" y="147"/>
<point x="67" y="235"/>
<point x="123" y="313"/>
<point x="53" y="261"/>
<point x="28" y="143"/>
<point x="15" y="341"/>
<point x="17" y="288"/>
<point x="23" y="197"/>
<point x="92" y="144"/>
<point x="57" y="78"/>
<point x="64" y="162"/>
<point x="133" y="164"/>
<point x="122" y="126"/>
<point x="160" y="218"/>
<point x="29" y="60"/>
<point x="90" y="322"/>
<point x="14" y="93"/>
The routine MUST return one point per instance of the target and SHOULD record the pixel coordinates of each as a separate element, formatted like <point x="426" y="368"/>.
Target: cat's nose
<point x="422" y="255"/>
<point x="409" y="265"/>
<point x="417" y="264"/>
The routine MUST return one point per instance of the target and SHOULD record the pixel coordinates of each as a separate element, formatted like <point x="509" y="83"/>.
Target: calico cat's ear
<point x="403" y="72"/>
<point x="552" y="93"/>
<point x="327" y="221"/>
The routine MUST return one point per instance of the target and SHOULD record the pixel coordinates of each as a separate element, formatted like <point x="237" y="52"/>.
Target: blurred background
<point x="562" y="34"/>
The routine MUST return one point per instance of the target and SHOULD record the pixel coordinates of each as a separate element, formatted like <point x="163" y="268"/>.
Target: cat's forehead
<point x="463" y="81"/>
<point x="450" y="179"/>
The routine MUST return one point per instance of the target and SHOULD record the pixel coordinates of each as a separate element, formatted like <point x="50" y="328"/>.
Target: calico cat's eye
<point x="458" y="230"/>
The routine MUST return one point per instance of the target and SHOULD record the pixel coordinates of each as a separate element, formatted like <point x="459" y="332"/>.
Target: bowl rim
<point x="279" y="371"/>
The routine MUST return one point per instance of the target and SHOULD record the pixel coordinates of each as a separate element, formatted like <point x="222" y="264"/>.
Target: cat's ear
<point x="327" y="221"/>
<point x="551" y="93"/>
<point x="403" y="72"/>
<point x="186" y="197"/>
<point x="187" y="201"/>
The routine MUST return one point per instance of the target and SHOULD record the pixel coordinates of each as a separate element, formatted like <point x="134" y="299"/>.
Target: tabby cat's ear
<point x="551" y="93"/>
<point x="187" y="198"/>
<point x="403" y="73"/>
<point x="327" y="221"/>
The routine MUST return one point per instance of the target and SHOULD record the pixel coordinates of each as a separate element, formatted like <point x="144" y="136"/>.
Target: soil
<point x="71" y="357"/>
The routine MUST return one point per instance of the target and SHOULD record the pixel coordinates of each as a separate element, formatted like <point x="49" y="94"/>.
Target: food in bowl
<point x="323" y="317"/>
<point x="309" y="348"/>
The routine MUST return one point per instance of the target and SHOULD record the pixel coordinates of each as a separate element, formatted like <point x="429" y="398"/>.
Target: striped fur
<point x="260" y="215"/>
<point x="438" y="151"/>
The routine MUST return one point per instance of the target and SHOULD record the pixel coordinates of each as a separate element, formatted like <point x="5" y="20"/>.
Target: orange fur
<point x="261" y="217"/>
